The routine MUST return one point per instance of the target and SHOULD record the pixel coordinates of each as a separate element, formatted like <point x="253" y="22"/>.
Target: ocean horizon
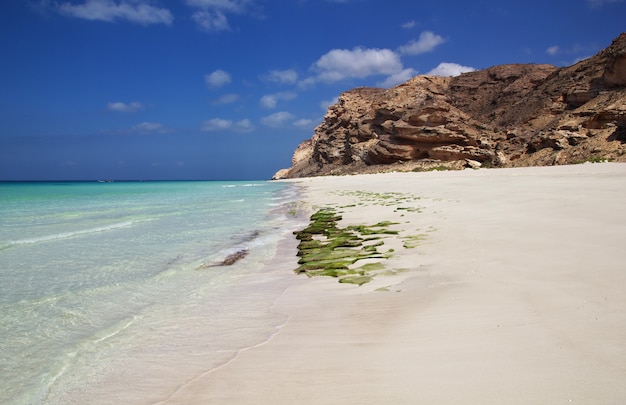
<point x="127" y="290"/>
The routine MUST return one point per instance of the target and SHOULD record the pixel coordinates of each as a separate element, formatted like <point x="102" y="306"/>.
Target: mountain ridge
<point x="504" y="116"/>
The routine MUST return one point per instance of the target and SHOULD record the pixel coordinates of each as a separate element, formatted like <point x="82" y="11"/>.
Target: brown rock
<point x="508" y="115"/>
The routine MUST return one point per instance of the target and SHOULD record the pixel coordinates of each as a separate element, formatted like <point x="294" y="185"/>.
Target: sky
<point x="227" y="89"/>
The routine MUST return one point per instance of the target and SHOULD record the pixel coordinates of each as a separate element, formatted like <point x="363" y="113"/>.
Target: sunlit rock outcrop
<point x="508" y="115"/>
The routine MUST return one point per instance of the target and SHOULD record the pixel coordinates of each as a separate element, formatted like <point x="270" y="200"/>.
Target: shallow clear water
<point x="108" y="291"/>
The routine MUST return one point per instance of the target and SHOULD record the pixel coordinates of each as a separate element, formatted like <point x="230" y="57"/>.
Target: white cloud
<point x="219" y="124"/>
<point x="217" y="79"/>
<point x="244" y="126"/>
<point x="109" y="10"/>
<point x="216" y="124"/>
<point x="277" y="119"/>
<point x="289" y="76"/>
<point x="408" y="25"/>
<point x="211" y="20"/>
<point x="340" y="64"/>
<point x="450" y="69"/>
<point x="149" y="127"/>
<point x="125" y="107"/>
<point x="234" y="6"/>
<point x="308" y="82"/>
<point x="226" y="99"/>
<point x="553" y="50"/>
<point x="426" y="43"/>
<point x="270" y="100"/>
<point x="398" y="78"/>
<point x="304" y="123"/>
<point x="211" y="14"/>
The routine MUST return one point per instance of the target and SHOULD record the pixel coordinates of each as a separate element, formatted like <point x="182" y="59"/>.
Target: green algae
<point x="328" y="249"/>
<point x="408" y="209"/>
<point x="376" y="229"/>
<point x="325" y="249"/>
<point x="372" y="267"/>
<point x="413" y="241"/>
<point x="358" y="280"/>
<point x="385" y="199"/>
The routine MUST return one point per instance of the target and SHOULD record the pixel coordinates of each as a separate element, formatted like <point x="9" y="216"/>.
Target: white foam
<point x="67" y="235"/>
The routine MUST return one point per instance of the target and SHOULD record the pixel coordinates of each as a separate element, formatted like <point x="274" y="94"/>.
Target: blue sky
<point x="226" y="89"/>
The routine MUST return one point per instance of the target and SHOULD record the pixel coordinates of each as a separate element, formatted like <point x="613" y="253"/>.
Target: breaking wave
<point x="64" y="235"/>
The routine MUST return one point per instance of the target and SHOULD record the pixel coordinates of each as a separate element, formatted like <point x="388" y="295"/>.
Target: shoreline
<point x="513" y="295"/>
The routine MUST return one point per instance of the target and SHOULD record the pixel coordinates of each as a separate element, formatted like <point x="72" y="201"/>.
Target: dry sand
<point x="517" y="295"/>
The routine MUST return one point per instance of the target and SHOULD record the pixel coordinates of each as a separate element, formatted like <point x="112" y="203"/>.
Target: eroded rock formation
<point x="509" y="115"/>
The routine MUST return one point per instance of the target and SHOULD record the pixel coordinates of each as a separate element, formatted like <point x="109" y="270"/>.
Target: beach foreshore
<point x="512" y="292"/>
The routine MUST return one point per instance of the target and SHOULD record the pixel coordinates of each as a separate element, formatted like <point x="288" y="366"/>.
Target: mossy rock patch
<point x="325" y="249"/>
<point x="358" y="280"/>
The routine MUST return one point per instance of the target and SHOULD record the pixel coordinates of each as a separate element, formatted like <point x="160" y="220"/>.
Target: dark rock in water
<point x="234" y="257"/>
<point x="251" y="236"/>
<point x="229" y="260"/>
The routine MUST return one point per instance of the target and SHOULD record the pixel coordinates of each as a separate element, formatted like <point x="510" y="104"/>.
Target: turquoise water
<point x="113" y="292"/>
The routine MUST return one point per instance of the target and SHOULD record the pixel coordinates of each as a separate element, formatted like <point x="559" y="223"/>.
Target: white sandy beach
<point x="516" y="295"/>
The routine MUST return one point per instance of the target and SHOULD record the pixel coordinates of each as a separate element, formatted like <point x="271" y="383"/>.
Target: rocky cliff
<point x="505" y="116"/>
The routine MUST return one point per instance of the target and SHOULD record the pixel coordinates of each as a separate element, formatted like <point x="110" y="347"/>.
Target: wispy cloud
<point x="234" y="6"/>
<point x="220" y="124"/>
<point x="450" y="69"/>
<point x="211" y="15"/>
<point x="553" y="50"/>
<point x="397" y="78"/>
<point x="211" y="20"/>
<point x="217" y="78"/>
<point x="427" y="42"/>
<point x="408" y="25"/>
<point x="149" y="127"/>
<point x="109" y="10"/>
<point x="270" y="100"/>
<point x="277" y="119"/>
<point x="601" y="3"/>
<point x="304" y="123"/>
<point x="125" y="107"/>
<point x="226" y="99"/>
<point x="289" y="76"/>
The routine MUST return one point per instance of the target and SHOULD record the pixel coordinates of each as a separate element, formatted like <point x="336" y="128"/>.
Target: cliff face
<point x="509" y="115"/>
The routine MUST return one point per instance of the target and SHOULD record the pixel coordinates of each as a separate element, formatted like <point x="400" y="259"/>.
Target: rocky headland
<point x="504" y="116"/>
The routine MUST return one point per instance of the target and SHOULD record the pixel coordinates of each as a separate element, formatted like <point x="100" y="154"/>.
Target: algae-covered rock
<point x="359" y="280"/>
<point x="328" y="250"/>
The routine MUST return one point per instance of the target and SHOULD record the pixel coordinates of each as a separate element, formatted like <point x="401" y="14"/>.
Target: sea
<point x="124" y="292"/>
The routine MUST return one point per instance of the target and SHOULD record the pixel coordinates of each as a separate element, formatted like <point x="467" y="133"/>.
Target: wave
<point x="65" y="235"/>
<point x="245" y="185"/>
<point x="82" y="350"/>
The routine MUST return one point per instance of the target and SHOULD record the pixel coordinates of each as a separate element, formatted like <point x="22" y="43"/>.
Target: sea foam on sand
<point x="516" y="294"/>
